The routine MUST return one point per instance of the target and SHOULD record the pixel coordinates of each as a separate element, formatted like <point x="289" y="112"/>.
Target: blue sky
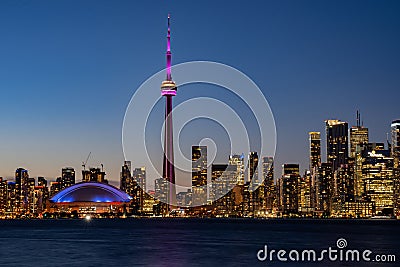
<point x="69" y="68"/>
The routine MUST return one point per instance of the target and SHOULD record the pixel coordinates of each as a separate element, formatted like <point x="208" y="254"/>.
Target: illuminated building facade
<point x="22" y="189"/>
<point x="223" y="179"/>
<point x="268" y="178"/>
<point x="289" y="193"/>
<point x="305" y="194"/>
<point x="344" y="186"/>
<point x="3" y="197"/>
<point x="238" y="160"/>
<point x="337" y="146"/>
<point x="253" y="168"/>
<point x="395" y="149"/>
<point x="161" y="190"/>
<point x="291" y="168"/>
<point x="378" y="180"/>
<point x="55" y="186"/>
<point x="315" y="149"/>
<point x="67" y="177"/>
<point x="324" y="188"/>
<point x="358" y="135"/>
<point x="199" y="175"/>
<point x="139" y="176"/>
<point x="129" y="185"/>
<point x="94" y="175"/>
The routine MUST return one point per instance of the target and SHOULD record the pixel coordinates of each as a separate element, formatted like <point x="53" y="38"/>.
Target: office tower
<point x="358" y="135"/>
<point x="168" y="90"/>
<point x="42" y="181"/>
<point x="362" y="151"/>
<point x="305" y="194"/>
<point x="395" y="146"/>
<point x="315" y="150"/>
<point x="129" y="185"/>
<point x="44" y="193"/>
<point x="199" y="175"/>
<point x="217" y="183"/>
<point x="324" y="188"/>
<point x="377" y="178"/>
<point x="13" y="201"/>
<point x="22" y="189"/>
<point x="395" y="153"/>
<point x="126" y="182"/>
<point x="223" y="179"/>
<point x="268" y="177"/>
<point x="94" y="175"/>
<point x="139" y="176"/>
<point x="253" y="169"/>
<point x="55" y="186"/>
<point x="3" y="196"/>
<point x="238" y="160"/>
<point x="32" y="202"/>
<point x="290" y="168"/>
<point x="344" y="183"/>
<point x="161" y="189"/>
<point x="125" y="177"/>
<point x="337" y="147"/>
<point x="289" y="193"/>
<point x="67" y="177"/>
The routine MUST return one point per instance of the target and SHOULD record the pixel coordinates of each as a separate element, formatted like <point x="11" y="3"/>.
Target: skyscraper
<point x="168" y="90"/>
<point x="238" y="160"/>
<point x="289" y="193"/>
<point x="223" y="179"/>
<point x="67" y="177"/>
<point x="315" y="149"/>
<point x="337" y="145"/>
<point x="253" y="168"/>
<point x="139" y="176"/>
<point x="22" y="189"/>
<point x="324" y="188"/>
<point x="358" y="135"/>
<point x="395" y="130"/>
<point x="199" y="175"/>
<point x="268" y="177"/>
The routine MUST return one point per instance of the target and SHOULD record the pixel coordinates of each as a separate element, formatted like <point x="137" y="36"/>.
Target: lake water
<point x="186" y="242"/>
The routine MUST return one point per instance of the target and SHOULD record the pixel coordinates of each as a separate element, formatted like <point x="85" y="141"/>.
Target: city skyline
<point x="52" y="120"/>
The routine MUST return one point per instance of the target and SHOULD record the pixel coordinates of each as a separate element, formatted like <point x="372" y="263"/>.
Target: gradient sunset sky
<point x="69" y="68"/>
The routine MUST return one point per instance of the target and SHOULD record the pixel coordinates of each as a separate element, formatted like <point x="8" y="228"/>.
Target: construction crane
<point x="84" y="163"/>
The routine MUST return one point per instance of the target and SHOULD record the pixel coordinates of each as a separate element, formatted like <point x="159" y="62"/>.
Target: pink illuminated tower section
<point x="168" y="90"/>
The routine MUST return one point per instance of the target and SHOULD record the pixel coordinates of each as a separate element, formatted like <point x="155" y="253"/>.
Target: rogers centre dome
<point x="92" y="192"/>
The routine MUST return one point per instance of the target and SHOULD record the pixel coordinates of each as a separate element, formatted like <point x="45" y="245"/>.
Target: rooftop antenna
<point x="358" y="118"/>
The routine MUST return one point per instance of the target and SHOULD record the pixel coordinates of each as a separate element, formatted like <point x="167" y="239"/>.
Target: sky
<point x="68" y="70"/>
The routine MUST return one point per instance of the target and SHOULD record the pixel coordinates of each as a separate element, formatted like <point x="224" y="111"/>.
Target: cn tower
<point x="168" y="90"/>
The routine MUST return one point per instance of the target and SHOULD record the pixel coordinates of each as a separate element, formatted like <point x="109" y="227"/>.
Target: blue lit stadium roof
<point x="90" y="192"/>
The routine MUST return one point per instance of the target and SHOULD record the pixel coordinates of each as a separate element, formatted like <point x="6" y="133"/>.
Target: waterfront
<point x="184" y="242"/>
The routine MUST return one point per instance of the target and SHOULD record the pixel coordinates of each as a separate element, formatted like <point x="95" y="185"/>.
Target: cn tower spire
<point x="169" y="77"/>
